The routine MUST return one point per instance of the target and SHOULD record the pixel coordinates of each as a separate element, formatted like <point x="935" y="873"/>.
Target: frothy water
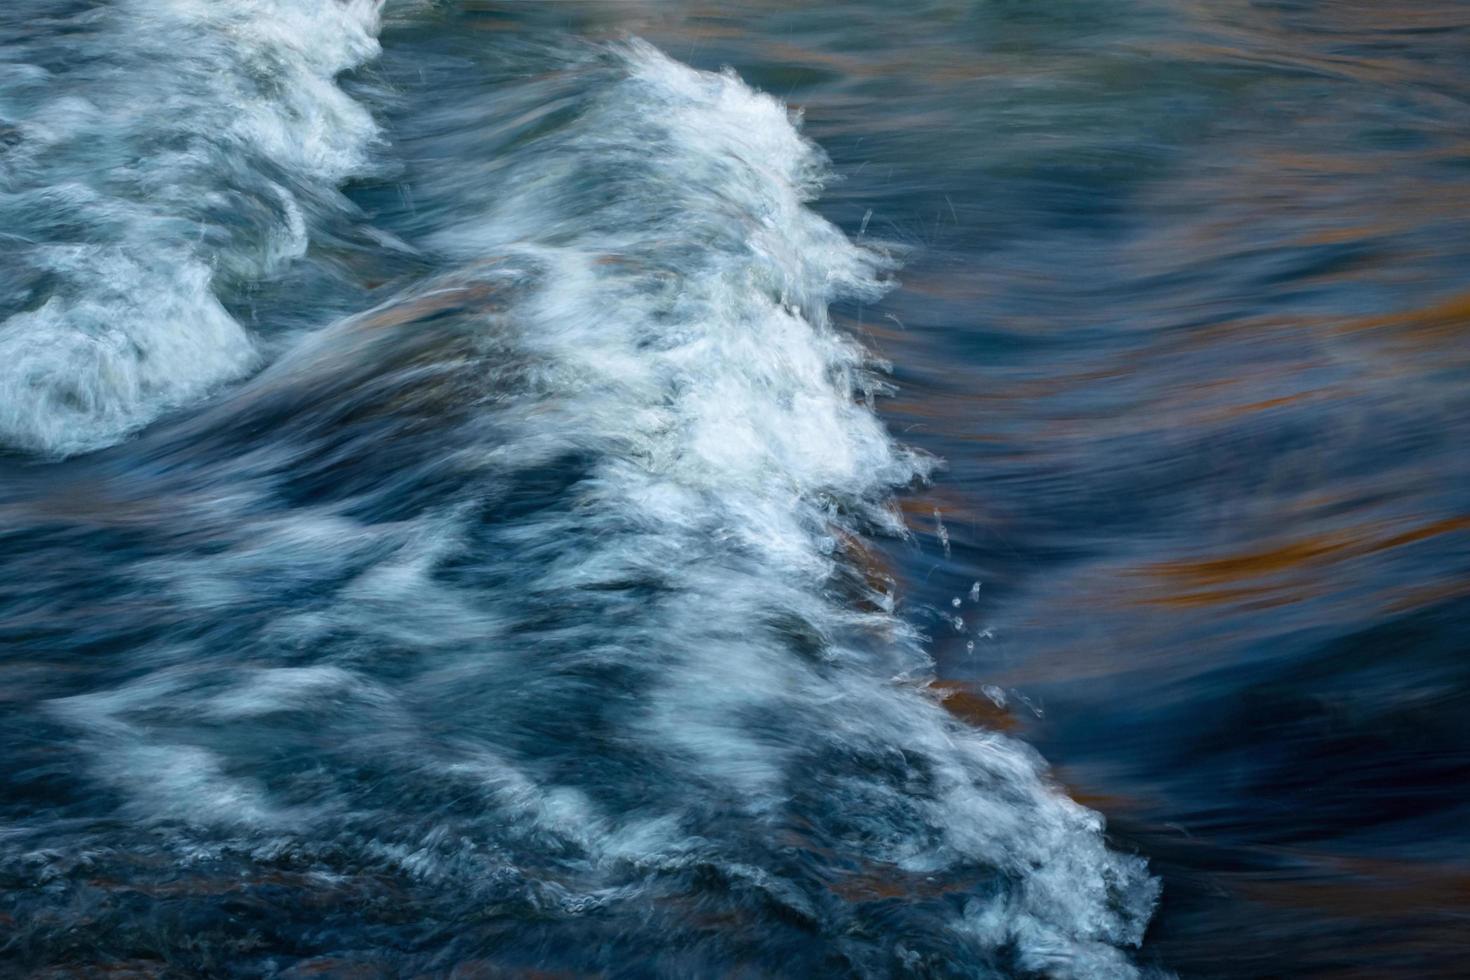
<point x="526" y="618"/>
<point x="157" y="151"/>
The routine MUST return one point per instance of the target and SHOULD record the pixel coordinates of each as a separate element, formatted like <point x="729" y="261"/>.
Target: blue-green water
<point x="655" y="489"/>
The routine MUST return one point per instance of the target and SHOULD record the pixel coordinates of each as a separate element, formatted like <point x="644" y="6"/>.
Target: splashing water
<point x="524" y="618"/>
<point x="184" y="149"/>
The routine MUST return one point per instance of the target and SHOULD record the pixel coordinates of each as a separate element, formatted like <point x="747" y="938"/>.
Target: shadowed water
<point x="534" y="503"/>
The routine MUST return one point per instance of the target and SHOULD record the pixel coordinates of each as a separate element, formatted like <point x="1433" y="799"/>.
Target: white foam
<point x="163" y="780"/>
<point x="701" y="354"/>
<point x="176" y="109"/>
<point x="677" y="344"/>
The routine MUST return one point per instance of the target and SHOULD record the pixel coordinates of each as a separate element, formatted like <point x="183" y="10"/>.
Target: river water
<point x="954" y="489"/>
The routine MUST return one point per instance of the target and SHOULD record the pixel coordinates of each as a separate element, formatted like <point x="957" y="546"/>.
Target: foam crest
<point x="684" y="330"/>
<point x="175" y="149"/>
<point x="549" y="580"/>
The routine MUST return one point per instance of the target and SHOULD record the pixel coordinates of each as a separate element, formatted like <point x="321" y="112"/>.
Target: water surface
<point x="949" y="489"/>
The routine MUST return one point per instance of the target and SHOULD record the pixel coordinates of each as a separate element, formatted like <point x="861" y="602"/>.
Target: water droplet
<point x="942" y="531"/>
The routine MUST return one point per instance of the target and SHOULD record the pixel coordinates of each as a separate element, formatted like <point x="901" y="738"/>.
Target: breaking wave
<point x="527" y="615"/>
<point x="155" y="151"/>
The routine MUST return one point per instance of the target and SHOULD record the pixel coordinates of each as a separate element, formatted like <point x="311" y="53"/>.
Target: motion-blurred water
<point x="621" y="488"/>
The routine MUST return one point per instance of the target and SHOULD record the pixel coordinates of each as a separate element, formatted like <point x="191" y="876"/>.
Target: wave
<point x="540" y="592"/>
<point x="154" y="151"/>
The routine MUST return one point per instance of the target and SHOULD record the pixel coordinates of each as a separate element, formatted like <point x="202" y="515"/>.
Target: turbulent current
<point x="436" y="530"/>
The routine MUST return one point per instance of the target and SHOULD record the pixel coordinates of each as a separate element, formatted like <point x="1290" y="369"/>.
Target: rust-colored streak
<point x="1444" y="321"/>
<point x="1270" y="561"/>
<point x="1319" y="549"/>
<point x="973" y="709"/>
<point x="1265" y="405"/>
<point x="875" y="573"/>
<point x="1432" y="530"/>
<point x="1095" y="799"/>
<point x="954" y="508"/>
<point x="1269" y="577"/>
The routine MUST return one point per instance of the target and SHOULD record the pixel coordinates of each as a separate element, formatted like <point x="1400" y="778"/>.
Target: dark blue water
<point x="622" y="489"/>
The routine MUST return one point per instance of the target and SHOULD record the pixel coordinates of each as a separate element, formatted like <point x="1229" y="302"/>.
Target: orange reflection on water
<point x="1440" y="325"/>
<point x="1301" y="564"/>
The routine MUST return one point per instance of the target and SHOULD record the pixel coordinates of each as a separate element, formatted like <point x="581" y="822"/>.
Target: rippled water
<point x="948" y="489"/>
